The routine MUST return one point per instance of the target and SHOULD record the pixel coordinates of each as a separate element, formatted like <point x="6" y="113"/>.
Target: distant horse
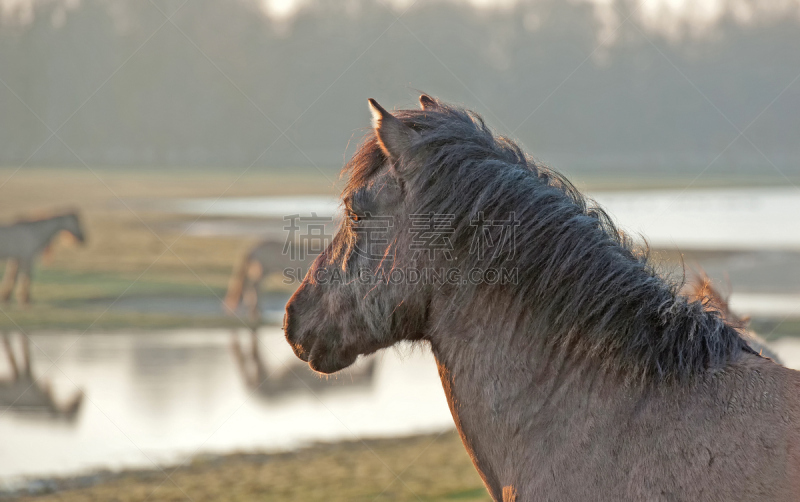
<point x="25" y="394"/>
<point x="22" y="243"/>
<point x="584" y="375"/>
<point x="701" y="289"/>
<point x="292" y="378"/>
<point x="265" y="258"/>
<point x="245" y="281"/>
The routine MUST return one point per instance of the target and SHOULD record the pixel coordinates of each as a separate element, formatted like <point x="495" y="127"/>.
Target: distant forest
<point x="217" y="88"/>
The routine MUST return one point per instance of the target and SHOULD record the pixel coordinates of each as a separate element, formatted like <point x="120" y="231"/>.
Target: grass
<point x="80" y="300"/>
<point x="426" y="468"/>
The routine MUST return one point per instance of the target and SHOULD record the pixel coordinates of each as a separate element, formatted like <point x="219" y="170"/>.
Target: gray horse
<point x="584" y="375"/>
<point x="21" y="244"/>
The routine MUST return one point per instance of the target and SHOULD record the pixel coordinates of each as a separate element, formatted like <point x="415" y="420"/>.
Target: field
<point x="134" y="249"/>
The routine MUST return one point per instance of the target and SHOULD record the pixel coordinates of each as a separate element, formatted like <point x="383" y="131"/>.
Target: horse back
<point x="735" y="435"/>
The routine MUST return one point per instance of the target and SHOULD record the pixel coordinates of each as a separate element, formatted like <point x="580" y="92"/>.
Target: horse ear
<point x="393" y="135"/>
<point x="427" y="103"/>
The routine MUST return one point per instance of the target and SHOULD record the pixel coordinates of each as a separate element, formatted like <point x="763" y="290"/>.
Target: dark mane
<point x="584" y="290"/>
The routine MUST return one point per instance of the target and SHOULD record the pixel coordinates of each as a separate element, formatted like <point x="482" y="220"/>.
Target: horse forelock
<point x="587" y="291"/>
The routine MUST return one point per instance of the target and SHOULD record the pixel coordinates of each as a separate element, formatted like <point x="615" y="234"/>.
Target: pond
<point x="156" y="397"/>
<point x="161" y="397"/>
<point x="708" y="219"/>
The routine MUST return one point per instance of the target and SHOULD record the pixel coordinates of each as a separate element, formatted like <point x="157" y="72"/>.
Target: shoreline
<point x="426" y="467"/>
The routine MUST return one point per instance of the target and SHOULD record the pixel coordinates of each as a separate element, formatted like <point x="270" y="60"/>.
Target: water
<point x="710" y="219"/>
<point x="157" y="397"/>
<point x="160" y="397"/>
<point x="265" y="207"/>
<point x="707" y="219"/>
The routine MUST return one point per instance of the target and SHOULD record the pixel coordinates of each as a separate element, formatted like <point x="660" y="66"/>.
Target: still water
<point x="162" y="397"/>
<point x="157" y="397"/>
<point x="707" y="219"/>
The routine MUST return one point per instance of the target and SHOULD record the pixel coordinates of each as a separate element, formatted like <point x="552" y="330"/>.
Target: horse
<point x="271" y="256"/>
<point x="264" y="258"/>
<point x="243" y="286"/>
<point x="585" y="375"/>
<point x="701" y="289"/>
<point x="21" y="244"/>
<point x="25" y="394"/>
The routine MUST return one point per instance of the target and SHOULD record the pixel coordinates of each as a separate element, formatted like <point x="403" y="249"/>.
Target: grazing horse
<point x="243" y="286"/>
<point x="585" y="375"/>
<point x="22" y="243"/>
<point x="265" y="258"/>
<point x="701" y="289"/>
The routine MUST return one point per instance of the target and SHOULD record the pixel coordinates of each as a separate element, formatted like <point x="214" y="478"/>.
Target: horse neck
<point x="504" y="406"/>
<point x="47" y="229"/>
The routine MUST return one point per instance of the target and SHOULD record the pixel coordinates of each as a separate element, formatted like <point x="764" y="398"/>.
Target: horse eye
<point x="353" y="217"/>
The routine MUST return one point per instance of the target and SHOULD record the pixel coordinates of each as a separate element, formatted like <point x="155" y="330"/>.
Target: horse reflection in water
<point x="292" y="377"/>
<point x="23" y="393"/>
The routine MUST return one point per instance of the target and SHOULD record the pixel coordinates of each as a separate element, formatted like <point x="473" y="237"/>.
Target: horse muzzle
<point x="320" y="352"/>
<point x="290" y="333"/>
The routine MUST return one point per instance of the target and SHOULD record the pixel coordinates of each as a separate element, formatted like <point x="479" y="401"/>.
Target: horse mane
<point x="583" y="289"/>
<point x="700" y="288"/>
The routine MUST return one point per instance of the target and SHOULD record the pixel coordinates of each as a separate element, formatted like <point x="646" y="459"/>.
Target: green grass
<point x="75" y="300"/>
